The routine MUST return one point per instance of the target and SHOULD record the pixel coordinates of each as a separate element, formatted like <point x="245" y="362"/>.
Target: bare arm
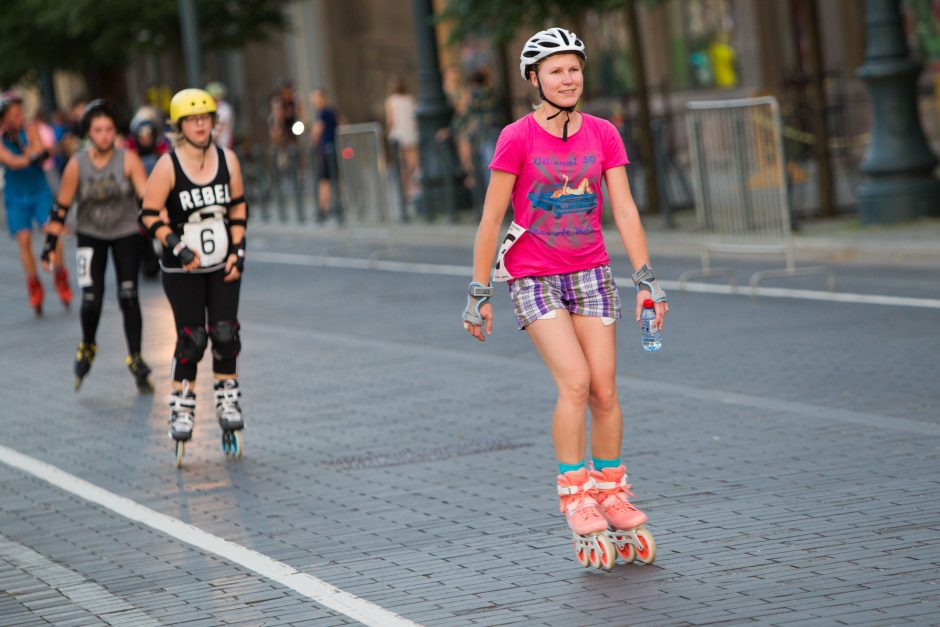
<point x="134" y="170"/>
<point x="12" y="161"/>
<point x="68" y="187"/>
<point x="156" y="191"/>
<point x="627" y="221"/>
<point x="389" y="117"/>
<point x="498" y="196"/>
<point x="237" y="216"/>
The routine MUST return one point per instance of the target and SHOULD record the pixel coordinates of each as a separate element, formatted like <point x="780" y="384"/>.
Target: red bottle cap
<point x="648" y="303"/>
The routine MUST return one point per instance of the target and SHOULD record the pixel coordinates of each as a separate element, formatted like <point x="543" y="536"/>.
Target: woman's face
<point x="14" y="118"/>
<point x="101" y="132"/>
<point x="197" y="128"/>
<point x="562" y="79"/>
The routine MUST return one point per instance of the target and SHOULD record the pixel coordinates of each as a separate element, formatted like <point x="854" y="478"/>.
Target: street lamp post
<point x="899" y="164"/>
<point x="433" y="113"/>
<point x="189" y="27"/>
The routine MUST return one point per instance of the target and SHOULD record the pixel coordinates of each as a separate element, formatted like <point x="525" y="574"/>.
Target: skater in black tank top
<point x="199" y="186"/>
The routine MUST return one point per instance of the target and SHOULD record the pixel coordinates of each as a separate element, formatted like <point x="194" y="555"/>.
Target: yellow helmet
<point x="190" y="102"/>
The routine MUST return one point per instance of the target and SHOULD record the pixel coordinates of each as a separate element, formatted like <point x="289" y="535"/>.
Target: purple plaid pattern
<point x="586" y="293"/>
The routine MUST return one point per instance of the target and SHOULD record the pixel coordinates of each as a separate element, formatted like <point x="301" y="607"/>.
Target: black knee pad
<point x="91" y="301"/>
<point x="191" y="343"/>
<point x="127" y="291"/>
<point x="127" y="295"/>
<point x="225" y="340"/>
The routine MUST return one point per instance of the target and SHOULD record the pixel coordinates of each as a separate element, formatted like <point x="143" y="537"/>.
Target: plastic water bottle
<point x="651" y="336"/>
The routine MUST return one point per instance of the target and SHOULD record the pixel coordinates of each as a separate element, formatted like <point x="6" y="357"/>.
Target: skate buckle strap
<point x="229" y="394"/>
<point x="612" y="485"/>
<point x="180" y="403"/>
<point x="569" y="490"/>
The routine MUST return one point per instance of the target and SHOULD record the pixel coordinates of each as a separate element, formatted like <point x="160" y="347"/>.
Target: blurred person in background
<point x="323" y="138"/>
<point x="402" y="127"/>
<point x="105" y="182"/>
<point x="26" y="194"/>
<point x="148" y="141"/>
<point x="225" y="125"/>
<point x="286" y="111"/>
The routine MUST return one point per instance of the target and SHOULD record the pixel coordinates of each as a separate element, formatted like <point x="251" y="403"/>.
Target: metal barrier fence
<point x="363" y="174"/>
<point x="740" y="182"/>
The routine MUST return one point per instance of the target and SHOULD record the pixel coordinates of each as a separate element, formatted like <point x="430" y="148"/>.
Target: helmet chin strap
<point x="567" y="110"/>
<point x="203" y="147"/>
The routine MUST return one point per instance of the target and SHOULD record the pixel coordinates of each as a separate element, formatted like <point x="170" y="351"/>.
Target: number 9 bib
<point x="206" y="234"/>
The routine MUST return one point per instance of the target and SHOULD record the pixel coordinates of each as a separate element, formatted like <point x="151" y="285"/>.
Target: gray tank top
<point x="107" y="203"/>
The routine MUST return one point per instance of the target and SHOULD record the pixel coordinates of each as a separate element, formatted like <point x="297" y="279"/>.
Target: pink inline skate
<point x="592" y="546"/>
<point x="626" y="531"/>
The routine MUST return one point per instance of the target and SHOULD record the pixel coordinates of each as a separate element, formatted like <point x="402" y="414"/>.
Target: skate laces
<point x="227" y="397"/>
<point x="182" y="404"/>
<point x="578" y="496"/>
<point x="615" y="493"/>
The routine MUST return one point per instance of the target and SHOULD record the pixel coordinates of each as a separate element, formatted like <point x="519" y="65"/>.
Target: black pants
<point x="125" y="252"/>
<point x="195" y="299"/>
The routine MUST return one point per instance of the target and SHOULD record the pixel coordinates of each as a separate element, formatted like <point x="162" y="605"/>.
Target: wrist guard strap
<point x="645" y="279"/>
<point x="477" y="296"/>
<point x="58" y="212"/>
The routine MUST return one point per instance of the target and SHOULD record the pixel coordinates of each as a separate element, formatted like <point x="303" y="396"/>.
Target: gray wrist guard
<point x="477" y="296"/>
<point x="645" y="279"/>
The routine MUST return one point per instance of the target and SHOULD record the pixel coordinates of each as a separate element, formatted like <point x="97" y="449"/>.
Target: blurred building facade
<point x="694" y="49"/>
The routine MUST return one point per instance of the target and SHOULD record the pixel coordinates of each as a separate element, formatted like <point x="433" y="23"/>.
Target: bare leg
<point x="25" y="240"/>
<point x="600" y="349"/>
<point x="557" y="343"/>
<point x="324" y="197"/>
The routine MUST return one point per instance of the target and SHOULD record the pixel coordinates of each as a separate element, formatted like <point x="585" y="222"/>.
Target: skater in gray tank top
<point x="105" y="183"/>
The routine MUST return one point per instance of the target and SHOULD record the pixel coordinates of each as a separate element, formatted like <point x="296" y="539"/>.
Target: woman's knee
<point x="575" y="388"/>
<point x="604" y="397"/>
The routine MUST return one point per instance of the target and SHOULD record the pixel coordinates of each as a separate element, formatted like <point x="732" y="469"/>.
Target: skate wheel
<point x="607" y="552"/>
<point x="232" y="444"/>
<point x="580" y="554"/>
<point x="646" y="552"/>
<point x="180" y="449"/>
<point x="624" y="548"/>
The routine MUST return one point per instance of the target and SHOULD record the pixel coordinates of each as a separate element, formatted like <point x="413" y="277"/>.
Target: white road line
<point x="307" y="585"/>
<point x="83" y="593"/>
<point x="352" y="263"/>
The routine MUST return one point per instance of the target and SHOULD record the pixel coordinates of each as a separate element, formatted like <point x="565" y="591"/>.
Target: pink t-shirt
<point x="557" y="195"/>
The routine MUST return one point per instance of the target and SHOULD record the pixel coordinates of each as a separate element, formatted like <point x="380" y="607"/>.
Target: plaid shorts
<point x="586" y="293"/>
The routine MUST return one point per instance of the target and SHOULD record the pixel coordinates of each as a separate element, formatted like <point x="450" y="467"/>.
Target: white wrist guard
<point x="477" y="296"/>
<point x="645" y="279"/>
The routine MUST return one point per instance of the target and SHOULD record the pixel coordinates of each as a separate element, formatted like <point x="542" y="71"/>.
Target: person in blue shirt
<point x="323" y="137"/>
<point x="26" y="195"/>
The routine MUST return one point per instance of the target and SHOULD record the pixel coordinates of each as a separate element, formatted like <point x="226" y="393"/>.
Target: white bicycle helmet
<point x="546" y="43"/>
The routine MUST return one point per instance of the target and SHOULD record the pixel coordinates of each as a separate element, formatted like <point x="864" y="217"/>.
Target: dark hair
<point x="97" y="108"/>
<point x="397" y="85"/>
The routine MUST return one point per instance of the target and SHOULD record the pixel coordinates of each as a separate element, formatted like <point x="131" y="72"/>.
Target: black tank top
<point x="186" y="198"/>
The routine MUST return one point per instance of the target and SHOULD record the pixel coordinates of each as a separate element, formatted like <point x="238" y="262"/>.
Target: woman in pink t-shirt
<point x="550" y="165"/>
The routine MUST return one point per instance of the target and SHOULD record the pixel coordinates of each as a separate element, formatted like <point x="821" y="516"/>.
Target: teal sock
<point x="563" y="468"/>
<point x="601" y="464"/>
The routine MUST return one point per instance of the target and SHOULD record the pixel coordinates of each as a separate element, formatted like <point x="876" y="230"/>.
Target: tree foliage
<point x="79" y="34"/>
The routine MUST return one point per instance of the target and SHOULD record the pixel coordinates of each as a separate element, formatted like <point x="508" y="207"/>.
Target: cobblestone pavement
<point x="785" y="450"/>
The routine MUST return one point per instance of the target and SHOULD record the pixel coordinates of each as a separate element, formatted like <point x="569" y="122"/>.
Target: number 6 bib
<point x="206" y="233"/>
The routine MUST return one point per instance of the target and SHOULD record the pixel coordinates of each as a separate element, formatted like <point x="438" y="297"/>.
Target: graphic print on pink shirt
<point x="557" y="195"/>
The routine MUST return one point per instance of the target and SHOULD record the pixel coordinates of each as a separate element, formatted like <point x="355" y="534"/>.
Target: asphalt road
<point x="785" y="449"/>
